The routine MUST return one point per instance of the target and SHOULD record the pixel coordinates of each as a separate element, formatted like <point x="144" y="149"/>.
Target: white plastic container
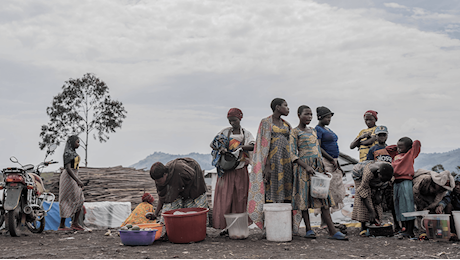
<point x="320" y="185"/>
<point x="456" y="217"/>
<point x="416" y="213"/>
<point x="437" y="226"/>
<point x="237" y="225"/>
<point x="278" y="221"/>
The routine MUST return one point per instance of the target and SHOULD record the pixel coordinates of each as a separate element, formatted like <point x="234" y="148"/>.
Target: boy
<point x="380" y="154"/>
<point x="366" y="137"/>
<point x="449" y="203"/>
<point x="403" y="155"/>
<point x="378" y="151"/>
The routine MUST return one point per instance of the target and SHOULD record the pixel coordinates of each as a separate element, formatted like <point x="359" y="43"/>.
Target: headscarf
<point x="321" y="112"/>
<point x="236" y="112"/>
<point x="441" y="179"/>
<point x="457" y="178"/>
<point x="69" y="150"/>
<point x="372" y="113"/>
<point x="147" y="197"/>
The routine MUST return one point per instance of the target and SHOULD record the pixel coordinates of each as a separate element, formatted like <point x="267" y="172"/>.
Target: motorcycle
<point x="23" y="196"/>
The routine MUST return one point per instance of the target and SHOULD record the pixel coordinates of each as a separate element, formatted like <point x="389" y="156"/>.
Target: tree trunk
<point x="86" y="147"/>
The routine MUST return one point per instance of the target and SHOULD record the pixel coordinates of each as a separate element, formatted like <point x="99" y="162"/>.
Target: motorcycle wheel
<point x="2" y="217"/>
<point x="14" y="222"/>
<point x="36" y="226"/>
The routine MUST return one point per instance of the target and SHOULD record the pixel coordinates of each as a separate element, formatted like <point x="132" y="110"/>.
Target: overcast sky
<point x="178" y="66"/>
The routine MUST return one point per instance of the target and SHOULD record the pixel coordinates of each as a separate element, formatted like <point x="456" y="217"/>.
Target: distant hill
<point x="449" y="160"/>
<point x="203" y="159"/>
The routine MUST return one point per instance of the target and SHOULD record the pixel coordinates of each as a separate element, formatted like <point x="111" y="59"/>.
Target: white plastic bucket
<point x="278" y="221"/>
<point x="456" y="217"/>
<point x="320" y="185"/>
<point x="237" y="225"/>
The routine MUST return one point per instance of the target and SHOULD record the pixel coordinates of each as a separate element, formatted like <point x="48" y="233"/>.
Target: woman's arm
<point x="159" y="207"/>
<point x="369" y="141"/>
<point x="249" y="147"/>
<point x="72" y="175"/>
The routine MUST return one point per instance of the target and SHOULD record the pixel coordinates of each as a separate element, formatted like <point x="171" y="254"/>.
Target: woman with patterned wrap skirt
<point x="70" y="186"/>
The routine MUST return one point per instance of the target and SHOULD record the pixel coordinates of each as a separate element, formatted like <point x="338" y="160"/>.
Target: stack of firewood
<point x="113" y="184"/>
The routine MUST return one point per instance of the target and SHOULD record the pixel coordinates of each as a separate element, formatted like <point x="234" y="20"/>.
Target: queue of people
<point x="284" y="159"/>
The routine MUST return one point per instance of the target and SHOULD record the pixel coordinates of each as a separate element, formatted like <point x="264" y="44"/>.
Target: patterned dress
<point x="138" y="215"/>
<point x="279" y="187"/>
<point x="364" y="192"/>
<point x="71" y="197"/>
<point x="256" y="194"/>
<point x="305" y="147"/>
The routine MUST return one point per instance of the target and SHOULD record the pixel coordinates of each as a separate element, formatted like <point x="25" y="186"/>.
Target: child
<point x="366" y="176"/>
<point x="366" y="138"/>
<point x="403" y="155"/>
<point x="378" y="151"/>
<point x="380" y="154"/>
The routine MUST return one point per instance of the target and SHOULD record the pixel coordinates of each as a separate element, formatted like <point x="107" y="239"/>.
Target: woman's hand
<point x="80" y="184"/>
<point x="439" y="209"/>
<point x="365" y="135"/>
<point x="150" y="215"/>
<point x="266" y="174"/>
<point x="373" y="217"/>
<point x="309" y="169"/>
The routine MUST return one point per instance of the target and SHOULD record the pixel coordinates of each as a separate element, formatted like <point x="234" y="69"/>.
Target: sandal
<point x="310" y="234"/>
<point x="65" y="229"/>
<point x="77" y="228"/>
<point x="339" y="236"/>
<point x="365" y="233"/>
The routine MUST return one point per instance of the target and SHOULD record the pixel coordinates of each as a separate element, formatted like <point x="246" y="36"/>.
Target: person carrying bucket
<point x="307" y="159"/>
<point x="231" y="194"/>
<point x="180" y="184"/>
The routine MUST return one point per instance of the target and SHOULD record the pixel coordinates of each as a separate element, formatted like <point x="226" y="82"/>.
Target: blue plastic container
<point x="137" y="237"/>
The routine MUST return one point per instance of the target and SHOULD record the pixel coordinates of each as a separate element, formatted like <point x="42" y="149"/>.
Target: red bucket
<point x="186" y="228"/>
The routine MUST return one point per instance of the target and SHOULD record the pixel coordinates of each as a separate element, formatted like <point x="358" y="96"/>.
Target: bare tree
<point x="83" y="106"/>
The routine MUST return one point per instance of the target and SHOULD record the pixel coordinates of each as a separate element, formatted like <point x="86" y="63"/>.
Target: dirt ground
<point x="96" y="245"/>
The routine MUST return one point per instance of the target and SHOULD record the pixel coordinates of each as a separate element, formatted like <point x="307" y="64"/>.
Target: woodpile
<point x="113" y="184"/>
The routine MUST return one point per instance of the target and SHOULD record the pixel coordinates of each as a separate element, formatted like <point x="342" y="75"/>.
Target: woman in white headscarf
<point x="430" y="187"/>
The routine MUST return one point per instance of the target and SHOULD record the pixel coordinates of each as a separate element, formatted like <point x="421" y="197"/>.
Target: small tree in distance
<point x="83" y="106"/>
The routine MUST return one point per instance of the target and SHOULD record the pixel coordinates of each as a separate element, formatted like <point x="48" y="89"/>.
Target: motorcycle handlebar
<point x="49" y="162"/>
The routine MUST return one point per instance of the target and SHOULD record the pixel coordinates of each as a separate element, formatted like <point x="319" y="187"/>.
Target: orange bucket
<point x="157" y="226"/>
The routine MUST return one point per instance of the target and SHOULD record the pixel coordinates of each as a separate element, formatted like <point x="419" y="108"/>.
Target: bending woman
<point x="271" y="176"/>
<point x="70" y="186"/>
<point x="231" y="194"/>
<point x="306" y="156"/>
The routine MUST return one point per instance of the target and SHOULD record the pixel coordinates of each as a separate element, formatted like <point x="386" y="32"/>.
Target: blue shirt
<point x="328" y="141"/>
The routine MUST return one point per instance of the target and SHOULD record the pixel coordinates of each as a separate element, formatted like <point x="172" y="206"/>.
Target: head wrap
<point x="235" y="112"/>
<point x="321" y="112"/>
<point x="372" y="113"/>
<point x="441" y="179"/>
<point x="147" y="197"/>
<point x="457" y="178"/>
<point x="69" y="150"/>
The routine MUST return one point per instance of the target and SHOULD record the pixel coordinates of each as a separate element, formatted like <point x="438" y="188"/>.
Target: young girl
<point x="306" y="156"/>
<point x="366" y="138"/>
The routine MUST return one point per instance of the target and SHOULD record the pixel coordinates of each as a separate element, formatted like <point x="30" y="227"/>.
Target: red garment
<point x="403" y="163"/>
